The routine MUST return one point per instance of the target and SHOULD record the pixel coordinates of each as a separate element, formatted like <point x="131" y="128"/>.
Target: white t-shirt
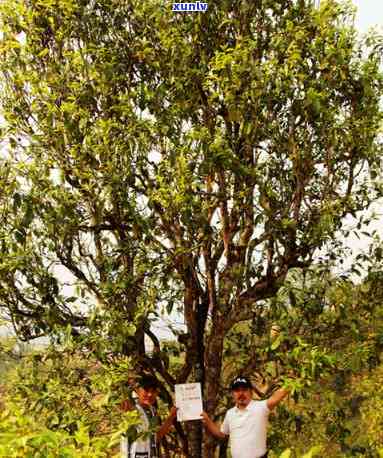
<point x="247" y="429"/>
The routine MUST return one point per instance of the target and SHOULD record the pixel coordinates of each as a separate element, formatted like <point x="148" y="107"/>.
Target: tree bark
<point x="197" y="349"/>
<point x="213" y="361"/>
<point x="194" y="434"/>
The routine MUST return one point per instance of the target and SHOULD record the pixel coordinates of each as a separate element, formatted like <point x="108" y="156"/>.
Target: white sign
<point x="188" y="401"/>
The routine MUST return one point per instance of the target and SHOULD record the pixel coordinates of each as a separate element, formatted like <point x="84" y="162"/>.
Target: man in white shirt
<point x="246" y="423"/>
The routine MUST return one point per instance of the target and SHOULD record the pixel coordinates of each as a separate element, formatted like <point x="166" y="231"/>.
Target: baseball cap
<point x="240" y="382"/>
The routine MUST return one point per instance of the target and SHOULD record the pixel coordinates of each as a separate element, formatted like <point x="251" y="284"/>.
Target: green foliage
<point x="345" y="423"/>
<point x="20" y="436"/>
<point x="59" y="403"/>
<point x="314" y="451"/>
<point x="342" y="411"/>
<point x="367" y="432"/>
<point x="321" y="338"/>
<point x="168" y="122"/>
<point x="190" y="162"/>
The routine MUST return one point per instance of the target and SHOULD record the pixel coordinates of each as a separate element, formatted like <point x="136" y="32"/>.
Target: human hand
<point x="126" y="405"/>
<point x="204" y="417"/>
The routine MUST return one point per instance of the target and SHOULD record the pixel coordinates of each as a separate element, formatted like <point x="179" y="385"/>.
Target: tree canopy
<point x="183" y="161"/>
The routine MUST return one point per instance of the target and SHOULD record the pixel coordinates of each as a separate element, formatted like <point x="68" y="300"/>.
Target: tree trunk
<point x="209" y="445"/>
<point x="213" y="361"/>
<point x="194" y="434"/>
<point x="223" y="449"/>
<point x="194" y="428"/>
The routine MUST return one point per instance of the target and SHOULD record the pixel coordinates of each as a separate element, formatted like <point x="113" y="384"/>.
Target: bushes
<point x="63" y="404"/>
<point x="344" y="417"/>
<point x="21" y="436"/>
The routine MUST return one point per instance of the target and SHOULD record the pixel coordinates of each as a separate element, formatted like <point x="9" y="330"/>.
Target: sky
<point x="369" y="14"/>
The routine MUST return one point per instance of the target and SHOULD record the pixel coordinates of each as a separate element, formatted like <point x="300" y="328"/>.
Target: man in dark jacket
<point x="148" y="445"/>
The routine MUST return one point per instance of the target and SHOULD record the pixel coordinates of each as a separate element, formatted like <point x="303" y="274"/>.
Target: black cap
<point x="148" y="381"/>
<point x="241" y="382"/>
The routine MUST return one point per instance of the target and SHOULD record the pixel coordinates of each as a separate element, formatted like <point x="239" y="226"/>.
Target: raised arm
<point x="212" y="427"/>
<point x="276" y="398"/>
<point x="167" y="424"/>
